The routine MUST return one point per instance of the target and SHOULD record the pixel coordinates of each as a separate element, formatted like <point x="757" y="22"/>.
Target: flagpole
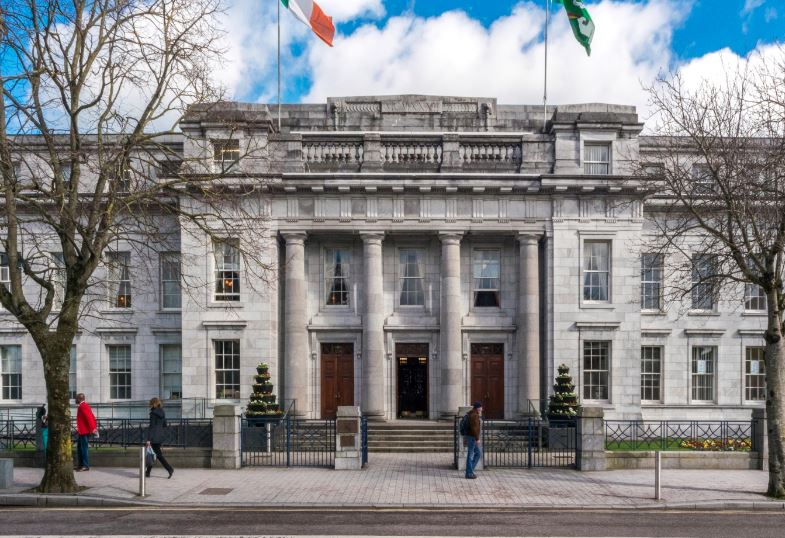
<point x="279" y="65"/>
<point x="545" y="78"/>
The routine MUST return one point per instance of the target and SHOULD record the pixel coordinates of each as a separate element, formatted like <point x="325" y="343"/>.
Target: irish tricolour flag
<point x="311" y="14"/>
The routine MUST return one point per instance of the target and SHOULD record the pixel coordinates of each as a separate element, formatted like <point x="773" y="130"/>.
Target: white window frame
<point x="656" y="271"/>
<point x="224" y="272"/>
<point x="700" y="289"/>
<point x="5" y="273"/>
<point x="164" y="259"/>
<point x="755" y="299"/>
<point x="587" y="381"/>
<point x="167" y="374"/>
<point x="220" y="380"/>
<point x="404" y="280"/>
<point x="651" y="374"/>
<point x="597" y="167"/>
<point x="329" y="280"/>
<point x="483" y="284"/>
<point x="120" y="374"/>
<point x="226" y="154"/>
<point x="703" y="180"/>
<point x="124" y="178"/>
<point x="709" y="374"/>
<point x="58" y="278"/>
<point x="72" y="369"/>
<point x="11" y="371"/>
<point x="587" y="271"/>
<point x="754" y="354"/>
<point x="118" y="279"/>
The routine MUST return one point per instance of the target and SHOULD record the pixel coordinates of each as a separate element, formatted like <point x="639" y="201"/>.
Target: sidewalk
<point x="407" y="481"/>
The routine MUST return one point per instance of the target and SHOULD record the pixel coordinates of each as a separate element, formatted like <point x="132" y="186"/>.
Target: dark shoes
<point x="472" y="477"/>
<point x="171" y="473"/>
<point x="82" y="469"/>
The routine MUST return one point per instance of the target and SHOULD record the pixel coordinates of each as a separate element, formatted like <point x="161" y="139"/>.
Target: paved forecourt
<point x="417" y="480"/>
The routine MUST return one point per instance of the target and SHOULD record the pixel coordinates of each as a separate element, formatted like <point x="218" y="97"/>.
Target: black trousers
<point x="160" y="457"/>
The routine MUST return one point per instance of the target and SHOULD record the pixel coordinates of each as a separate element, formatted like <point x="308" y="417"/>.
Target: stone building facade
<point x="422" y="253"/>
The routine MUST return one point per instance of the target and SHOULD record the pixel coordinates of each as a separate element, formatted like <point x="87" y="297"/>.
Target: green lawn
<point x="674" y="444"/>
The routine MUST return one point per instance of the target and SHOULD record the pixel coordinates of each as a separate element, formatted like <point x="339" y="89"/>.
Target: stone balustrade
<point x="490" y="152"/>
<point x="338" y="153"/>
<point x="411" y="152"/>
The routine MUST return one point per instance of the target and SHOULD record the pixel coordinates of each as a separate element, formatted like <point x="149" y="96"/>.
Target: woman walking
<point x="155" y="435"/>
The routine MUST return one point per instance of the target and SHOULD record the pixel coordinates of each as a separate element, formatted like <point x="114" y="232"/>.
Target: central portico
<point x="411" y="323"/>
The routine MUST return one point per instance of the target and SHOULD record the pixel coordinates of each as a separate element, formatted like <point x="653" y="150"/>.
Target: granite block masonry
<point x="6" y="473"/>
<point x="348" y="439"/>
<point x="227" y="437"/>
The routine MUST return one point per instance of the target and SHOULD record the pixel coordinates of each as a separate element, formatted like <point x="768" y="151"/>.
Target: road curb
<point x="86" y="500"/>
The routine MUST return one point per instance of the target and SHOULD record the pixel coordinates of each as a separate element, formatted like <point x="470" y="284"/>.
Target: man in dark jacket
<point x="155" y="435"/>
<point x="473" y="440"/>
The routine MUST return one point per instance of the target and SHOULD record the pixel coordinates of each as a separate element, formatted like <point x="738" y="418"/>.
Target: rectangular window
<point x="119" y="372"/>
<point x="703" y="293"/>
<point x="171" y="372"/>
<point x="72" y="374"/>
<point x="5" y="271"/>
<point x="227" y="271"/>
<point x="597" y="159"/>
<point x="703" y="180"/>
<point x="170" y="280"/>
<point x="226" y="153"/>
<point x="486" y="270"/>
<point x="651" y="281"/>
<point x="11" y="372"/>
<point x="755" y="299"/>
<point x="704" y="366"/>
<point x="336" y="276"/>
<point x="755" y="374"/>
<point x="596" y="363"/>
<point x="596" y="271"/>
<point x="124" y="177"/>
<point x="227" y="369"/>
<point x="119" y="268"/>
<point x="411" y="272"/>
<point x="58" y="278"/>
<point x="651" y="373"/>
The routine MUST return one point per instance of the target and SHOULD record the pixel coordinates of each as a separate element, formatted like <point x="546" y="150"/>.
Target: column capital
<point x="528" y="238"/>
<point x="372" y="237"/>
<point x="293" y="238"/>
<point x="450" y="237"/>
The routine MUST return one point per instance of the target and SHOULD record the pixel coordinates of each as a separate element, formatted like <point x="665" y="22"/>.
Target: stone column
<point x="373" y="327"/>
<point x="450" y="354"/>
<point x="590" y="440"/>
<point x="226" y="437"/>
<point x="348" y="439"/>
<point x="528" y="322"/>
<point x="295" y="324"/>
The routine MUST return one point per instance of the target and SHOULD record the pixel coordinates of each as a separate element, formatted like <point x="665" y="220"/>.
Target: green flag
<point x="580" y="20"/>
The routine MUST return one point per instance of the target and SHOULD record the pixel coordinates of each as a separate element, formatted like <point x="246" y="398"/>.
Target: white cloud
<point x="751" y="5"/>
<point x="454" y="54"/>
<point x="770" y="14"/>
<point x="345" y="10"/>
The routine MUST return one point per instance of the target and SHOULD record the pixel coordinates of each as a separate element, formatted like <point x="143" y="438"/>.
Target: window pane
<point x="486" y="269"/>
<point x="11" y="372"/>
<point x="651" y="281"/>
<point x="170" y="280"/>
<point x="596" y="361"/>
<point x="755" y="374"/>
<point x="119" y="372"/>
<point x="227" y="271"/>
<point x="703" y="292"/>
<point x="596" y="159"/>
<point x="755" y="298"/>
<point x="703" y="369"/>
<point x="171" y="372"/>
<point x="651" y="373"/>
<point x="227" y="369"/>
<point x="596" y="270"/>
<point x="411" y="277"/>
<point x="336" y="277"/>
<point x="118" y="266"/>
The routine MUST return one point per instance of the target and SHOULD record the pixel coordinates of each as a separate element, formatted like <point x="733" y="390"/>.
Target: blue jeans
<point x="473" y="454"/>
<point x="81" y="451"/>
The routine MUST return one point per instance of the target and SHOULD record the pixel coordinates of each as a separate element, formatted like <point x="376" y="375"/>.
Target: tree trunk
<point x="775" y="405"/>
<point x="59" y="474"/>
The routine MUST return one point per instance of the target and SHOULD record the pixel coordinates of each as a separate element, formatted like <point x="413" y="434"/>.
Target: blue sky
<point x="493" y="48"/>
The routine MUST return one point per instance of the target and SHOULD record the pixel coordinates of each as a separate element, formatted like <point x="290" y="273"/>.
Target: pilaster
<point x="373" y="396"/>
<point x="450" y="354"/>
<point x="528" y="322"/>
<point x="295" y="323"/>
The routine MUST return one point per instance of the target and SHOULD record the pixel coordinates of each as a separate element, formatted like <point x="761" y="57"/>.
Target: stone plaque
<point x="347" y="441"/>
<point x="346" y="426"/>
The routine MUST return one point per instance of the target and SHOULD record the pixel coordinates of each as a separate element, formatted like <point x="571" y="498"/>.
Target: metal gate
<point x="526" y="443"/>
<point x="288" y="442"/>
<point x="364" y="439"/>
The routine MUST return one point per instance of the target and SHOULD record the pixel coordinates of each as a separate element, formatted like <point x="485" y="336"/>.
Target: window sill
<point x="702" y="403"/>
<point x="170" y="311"/>
<point x="227" y="305"/>
<point x="116" y="311"/>
<point x="755" y="314"/>
<point x="653" y="313"/>
<point x="704" y="313"/>
<point x="597" y="306"/>
<point x="754" y="403"/>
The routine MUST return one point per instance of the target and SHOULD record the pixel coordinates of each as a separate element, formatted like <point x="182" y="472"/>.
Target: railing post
<point x="288" y="441"/>
<point x="760" y="437"/>
<point x="227" y="446"/>
<point x="348" y="439"/>
<point x="657" y="475"/>
<point x="142" y="470"/>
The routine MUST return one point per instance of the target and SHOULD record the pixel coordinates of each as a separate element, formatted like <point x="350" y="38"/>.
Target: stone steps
<point x="410" y="437"/>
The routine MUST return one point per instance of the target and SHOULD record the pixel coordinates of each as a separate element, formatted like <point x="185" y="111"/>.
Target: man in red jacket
<point x="85" y="427"/>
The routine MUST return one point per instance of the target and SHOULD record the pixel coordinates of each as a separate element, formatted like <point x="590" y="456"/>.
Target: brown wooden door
<point x="337" y="377"/>
<point x="488" y="378"/>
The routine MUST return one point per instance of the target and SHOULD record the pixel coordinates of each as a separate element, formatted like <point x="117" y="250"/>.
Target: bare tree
<point x="717" y="163"/>
<point x="91" y="158"/>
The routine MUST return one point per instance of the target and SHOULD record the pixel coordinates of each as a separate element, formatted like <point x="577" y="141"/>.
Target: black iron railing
<point x="364" y="433"/>
<point x="288" y="442"/>
<point x="727" y="436"/>
<point x="17" y="435"/>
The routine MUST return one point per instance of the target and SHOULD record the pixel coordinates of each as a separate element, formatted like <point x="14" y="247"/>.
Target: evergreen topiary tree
<point x="262" y="402"/>
<point x="563" y="404"/>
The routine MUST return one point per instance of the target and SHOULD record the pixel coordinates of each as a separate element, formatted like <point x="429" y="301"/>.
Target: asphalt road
<point x="92" y="521"/>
